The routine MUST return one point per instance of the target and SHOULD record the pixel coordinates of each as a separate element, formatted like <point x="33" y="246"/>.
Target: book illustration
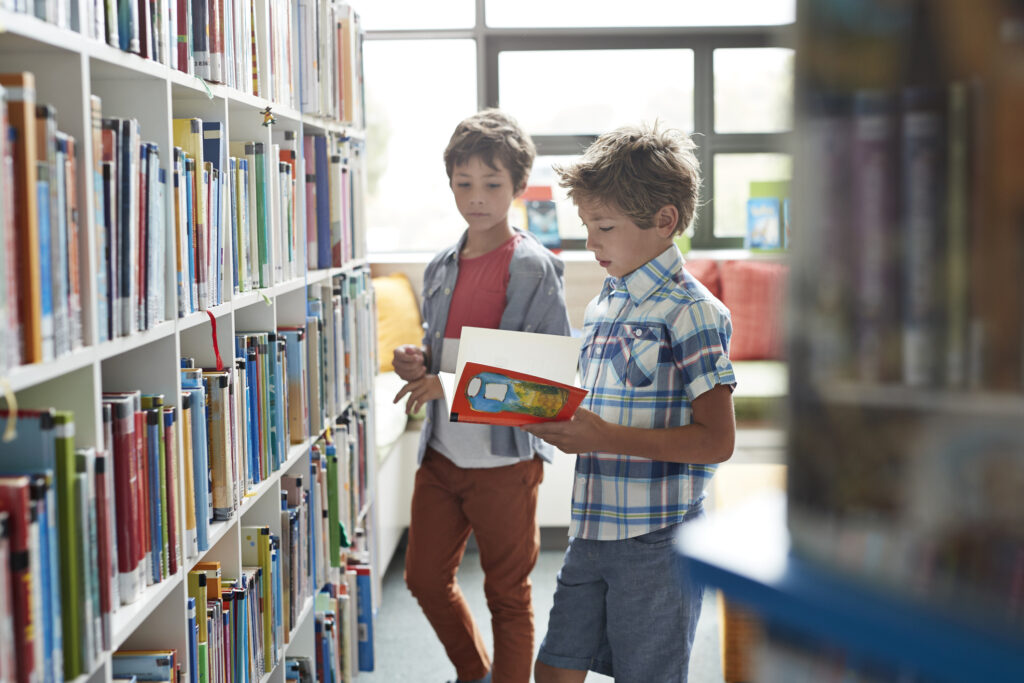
<point x="492" y="395"/>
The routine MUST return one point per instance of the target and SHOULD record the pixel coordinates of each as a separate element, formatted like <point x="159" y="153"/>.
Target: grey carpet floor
<point x="407" y="650"/>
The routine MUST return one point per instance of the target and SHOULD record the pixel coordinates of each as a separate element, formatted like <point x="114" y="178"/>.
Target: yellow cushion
<point x="398" y="316"/>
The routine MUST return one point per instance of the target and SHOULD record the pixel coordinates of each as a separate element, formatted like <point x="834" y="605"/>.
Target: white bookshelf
<point x="68" y="68"/>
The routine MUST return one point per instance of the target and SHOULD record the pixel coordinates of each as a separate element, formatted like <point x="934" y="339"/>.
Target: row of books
<point x="40" y="302"/>
<point x="232" y="205"/>
<point x="58" y="576"/>
<point x="334" y="219"/>
<point x="331" y="61"/>
<point x="897" y="209"/>
<point x="244" y="44"/>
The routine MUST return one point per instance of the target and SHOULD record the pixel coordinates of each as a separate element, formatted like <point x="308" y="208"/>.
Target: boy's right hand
<point x="409" y="362"/>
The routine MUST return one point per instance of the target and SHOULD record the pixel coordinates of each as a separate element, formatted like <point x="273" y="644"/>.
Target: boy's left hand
<point x="580" y="434"/>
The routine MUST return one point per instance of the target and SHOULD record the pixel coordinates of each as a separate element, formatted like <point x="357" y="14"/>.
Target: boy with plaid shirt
<point x="656" y="422"/>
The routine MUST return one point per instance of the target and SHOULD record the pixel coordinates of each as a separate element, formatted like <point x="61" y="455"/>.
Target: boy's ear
<point x="519" y="190"/>
<point x="666" y="219"/>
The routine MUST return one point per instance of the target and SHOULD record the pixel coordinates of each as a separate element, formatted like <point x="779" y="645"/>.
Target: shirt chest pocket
<point x="639" y="353"/>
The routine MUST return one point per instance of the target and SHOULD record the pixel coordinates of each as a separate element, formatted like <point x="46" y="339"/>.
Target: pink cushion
<point x="755" y="294"/>
<point x="706" y="272"/>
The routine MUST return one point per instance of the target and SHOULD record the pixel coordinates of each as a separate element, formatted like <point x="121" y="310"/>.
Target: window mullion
<point x="704" y="127"/>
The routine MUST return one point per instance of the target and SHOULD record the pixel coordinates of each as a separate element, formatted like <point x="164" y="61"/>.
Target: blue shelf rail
<point x="745" y="553"/>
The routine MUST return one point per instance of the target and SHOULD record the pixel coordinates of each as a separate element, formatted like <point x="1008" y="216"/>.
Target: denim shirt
<point x="534" y="302"/>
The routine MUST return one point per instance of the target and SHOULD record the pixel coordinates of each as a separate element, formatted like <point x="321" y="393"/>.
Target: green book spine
<point x="201" y="652"/>
<point x="70" y="560"/>
<point x="262" y="217"/>
<point x="333" y="506"/>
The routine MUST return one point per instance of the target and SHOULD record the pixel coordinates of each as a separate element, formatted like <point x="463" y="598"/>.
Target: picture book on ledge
<point x="512" y="378"/>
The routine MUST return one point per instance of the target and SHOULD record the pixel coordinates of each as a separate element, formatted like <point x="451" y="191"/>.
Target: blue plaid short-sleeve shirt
<point x="654" y="341"/>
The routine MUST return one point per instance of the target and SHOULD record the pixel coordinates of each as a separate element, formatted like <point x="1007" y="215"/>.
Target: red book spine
<point x="126" y="484"/>
<point x="14" y="500"/>
<point x="182" y="39"/>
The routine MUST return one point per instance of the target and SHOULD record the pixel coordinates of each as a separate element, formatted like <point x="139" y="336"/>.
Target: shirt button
<point x="447" y="290"/>
<point x="637" y="332"/>
<point x="437" y="335"/>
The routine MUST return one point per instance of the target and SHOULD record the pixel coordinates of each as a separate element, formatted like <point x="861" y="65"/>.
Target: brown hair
<point x="638" y="169"/>
<point x="491" y="134"/>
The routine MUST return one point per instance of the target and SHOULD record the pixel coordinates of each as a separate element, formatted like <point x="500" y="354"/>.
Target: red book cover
<point x="14" y="500"/>
<point x="486" y="394"/>
<point x="126" y="487"/>
<point x="74" y="285"/>
<point x="183" y="38"/>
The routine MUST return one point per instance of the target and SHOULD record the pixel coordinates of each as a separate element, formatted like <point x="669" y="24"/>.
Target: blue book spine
<point x="275" y="562"/>
<point x="200" y="465"/>
<point x="46" y="581"/>
<point x="364" y="604"/>
<point x="193" y="642"/>
<point x="252" y="376"/>
<point x="155" y="501"/>
<point x="276" y="455"/>
<point x="215" y="231"/>
<point x="323" y="203"/>
<point x="59" y="246"/>
<point x="99" y="218"/>
<point x="233" y="223"/>
<point x="281" y="389"/>
<point x="164" y="240"/>
<point x="53" y="541"/>
<point x="45" y="260"/>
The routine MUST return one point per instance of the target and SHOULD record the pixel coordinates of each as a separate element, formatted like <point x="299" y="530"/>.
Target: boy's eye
<point x="493" y="186"/>
<point x="607" y="229"/>
<point x="461" y="184"/>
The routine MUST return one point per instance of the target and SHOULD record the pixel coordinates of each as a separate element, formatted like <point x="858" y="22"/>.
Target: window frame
<point x="702" y="40"/>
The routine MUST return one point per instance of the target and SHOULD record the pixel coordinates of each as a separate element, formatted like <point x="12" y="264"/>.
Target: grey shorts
<point x="622" y="609"/>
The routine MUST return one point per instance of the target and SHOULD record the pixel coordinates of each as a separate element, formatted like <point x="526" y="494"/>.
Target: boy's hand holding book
<point x="582" y="433"/>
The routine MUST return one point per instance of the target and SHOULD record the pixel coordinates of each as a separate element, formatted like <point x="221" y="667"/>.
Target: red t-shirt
<point x="479" y="296"/>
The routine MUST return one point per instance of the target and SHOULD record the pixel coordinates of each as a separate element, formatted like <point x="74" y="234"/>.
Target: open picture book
<point x="513" y="378"/>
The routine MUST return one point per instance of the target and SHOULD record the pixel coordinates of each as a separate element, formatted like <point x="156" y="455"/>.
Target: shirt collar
<point x="645" y="280"/>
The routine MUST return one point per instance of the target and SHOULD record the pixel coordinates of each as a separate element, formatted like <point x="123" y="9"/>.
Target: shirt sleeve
<point x="701" y="348"/>
<point x="538" y="293"/>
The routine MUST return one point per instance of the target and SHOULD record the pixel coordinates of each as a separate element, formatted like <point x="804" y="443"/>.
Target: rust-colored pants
<point x="500" y="506"/>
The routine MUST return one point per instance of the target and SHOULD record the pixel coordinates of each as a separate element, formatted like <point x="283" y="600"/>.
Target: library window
<point x="641" y="13"/>
<point x="729" y="83"/>
<point x="553" y="92"/>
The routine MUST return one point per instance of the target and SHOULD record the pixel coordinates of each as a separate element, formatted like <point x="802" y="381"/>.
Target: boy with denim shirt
<point x="655" y="424"/>
<point x="479" y="477"/>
